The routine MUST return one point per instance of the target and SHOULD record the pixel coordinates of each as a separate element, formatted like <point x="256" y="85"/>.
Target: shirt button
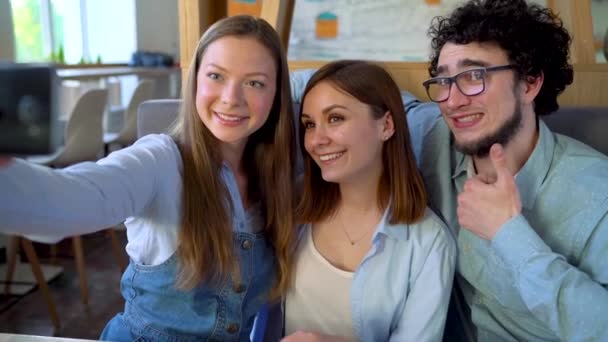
<point x="240" y="288"/>
<point x="232" y="328"/>
<point x="246" y="244"/>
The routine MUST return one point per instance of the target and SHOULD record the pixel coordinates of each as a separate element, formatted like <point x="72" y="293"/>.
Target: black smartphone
<point x="28" y="109"/>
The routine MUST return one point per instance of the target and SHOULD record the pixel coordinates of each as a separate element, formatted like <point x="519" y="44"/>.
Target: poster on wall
<point x="249" y="7"/>
<point x="388" y="30"/>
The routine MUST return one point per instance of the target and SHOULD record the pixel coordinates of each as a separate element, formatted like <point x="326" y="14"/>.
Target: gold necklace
<point x="352" y="241"/>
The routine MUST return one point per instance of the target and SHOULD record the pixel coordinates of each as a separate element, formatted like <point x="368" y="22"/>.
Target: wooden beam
<point x="577" y="18"/>
<point x="195" y="16"/>
<point x="588" y="88"/>
<point x="190" y="29"/>
<point x="279" y="14"/>
<point x="408" y="75"/>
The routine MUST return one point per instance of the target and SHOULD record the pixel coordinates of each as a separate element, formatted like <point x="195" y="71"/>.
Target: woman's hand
<point x="307" y="336"/>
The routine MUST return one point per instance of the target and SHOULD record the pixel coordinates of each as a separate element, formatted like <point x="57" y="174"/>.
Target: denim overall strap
<point x="155" y="310"/>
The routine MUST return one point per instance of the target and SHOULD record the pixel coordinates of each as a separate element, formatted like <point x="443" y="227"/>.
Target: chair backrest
<point x="156" y="116"/>
<point x="586" y="124"/>
<point x="84" y="130"/>
<point x="143" y="92"/>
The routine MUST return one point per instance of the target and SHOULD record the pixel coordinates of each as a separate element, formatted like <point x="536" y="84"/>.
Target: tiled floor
<point x="28" y="314"/>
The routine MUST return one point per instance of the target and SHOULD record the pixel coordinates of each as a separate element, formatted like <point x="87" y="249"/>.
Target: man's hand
<point x="307" y="336"/>
<point x="485" y="205"/>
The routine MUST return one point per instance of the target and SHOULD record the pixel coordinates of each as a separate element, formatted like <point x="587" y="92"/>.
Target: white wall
<point x="599" y="11"/>
<point x="157" y="26"/>
<point x="7" y="46"/>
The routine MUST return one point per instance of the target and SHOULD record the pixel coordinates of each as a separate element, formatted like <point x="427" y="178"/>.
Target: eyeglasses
<point x="470" y="82"/>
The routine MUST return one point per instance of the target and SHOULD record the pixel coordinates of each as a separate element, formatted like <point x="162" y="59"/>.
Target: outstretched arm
<point x="85" y="197"/>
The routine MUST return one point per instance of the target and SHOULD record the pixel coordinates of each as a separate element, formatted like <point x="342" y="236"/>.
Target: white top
<point x="401" y="289"/>
<point x="316" y="284"/>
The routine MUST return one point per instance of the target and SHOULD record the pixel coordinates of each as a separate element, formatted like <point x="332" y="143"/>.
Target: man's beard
<point x="503" y="135"/>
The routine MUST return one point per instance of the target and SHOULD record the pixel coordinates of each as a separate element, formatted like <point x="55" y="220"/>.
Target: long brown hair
<point x="400" y="180"/>
<point x="205" y="239"/>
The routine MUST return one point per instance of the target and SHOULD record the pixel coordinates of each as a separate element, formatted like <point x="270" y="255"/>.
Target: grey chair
<point x="128" y="134"/>
<point x="83" y="132"/>
<point x="156" y="116"/>
<point x="586" y="124"/>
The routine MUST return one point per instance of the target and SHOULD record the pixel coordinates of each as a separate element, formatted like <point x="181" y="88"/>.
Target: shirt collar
<point x="534" y="172"/>
<point x="397" y="231"/>
<point x="461" y="163"/>
<point x="531" y="176"/>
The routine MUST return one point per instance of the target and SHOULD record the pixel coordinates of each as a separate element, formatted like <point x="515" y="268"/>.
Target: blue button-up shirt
<point x="543" y="276"/>
<point x="401" y="289"/>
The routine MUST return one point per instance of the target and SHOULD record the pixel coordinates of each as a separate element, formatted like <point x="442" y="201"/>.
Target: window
<point x="74" y="31"/>
<point x="29" y="40"/>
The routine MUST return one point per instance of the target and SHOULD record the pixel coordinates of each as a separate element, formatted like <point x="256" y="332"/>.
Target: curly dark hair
<point x="533" y="37"/>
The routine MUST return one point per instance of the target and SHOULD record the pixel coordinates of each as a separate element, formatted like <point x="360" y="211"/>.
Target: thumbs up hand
<point x="486" y="204"/>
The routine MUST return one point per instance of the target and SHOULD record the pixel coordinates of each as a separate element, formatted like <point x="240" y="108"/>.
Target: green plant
<point x="61" y="55"/>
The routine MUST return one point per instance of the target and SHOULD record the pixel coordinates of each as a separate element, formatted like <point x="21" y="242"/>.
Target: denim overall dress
<point x="155" y="310"/>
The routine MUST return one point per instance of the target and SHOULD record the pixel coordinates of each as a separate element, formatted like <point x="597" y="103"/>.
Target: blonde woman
<point x="207" y="208"/>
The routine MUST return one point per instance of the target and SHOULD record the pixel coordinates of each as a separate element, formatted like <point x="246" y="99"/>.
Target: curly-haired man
<point x="528" y="206"/>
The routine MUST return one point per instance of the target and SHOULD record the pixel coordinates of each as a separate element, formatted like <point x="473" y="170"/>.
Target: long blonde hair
<point x="205" y="239"/>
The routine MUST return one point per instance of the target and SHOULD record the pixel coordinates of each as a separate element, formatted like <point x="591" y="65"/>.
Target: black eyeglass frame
<point x="452" y="80"/>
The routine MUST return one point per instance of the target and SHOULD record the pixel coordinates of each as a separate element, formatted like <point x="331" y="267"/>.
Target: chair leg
<point x="11" y="262"/>
<point x="118" y="250"/>
<point x="54" y="252"/>
<point x="82" y="272"/>
<point x="28" y="248"/>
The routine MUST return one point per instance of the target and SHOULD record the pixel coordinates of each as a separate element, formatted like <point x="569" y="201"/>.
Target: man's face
<point x="493" y="116"/>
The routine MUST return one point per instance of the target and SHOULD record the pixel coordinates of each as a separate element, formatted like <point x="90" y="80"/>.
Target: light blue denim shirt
<point x="401" y="289"/>
<point x="543" y="277"/>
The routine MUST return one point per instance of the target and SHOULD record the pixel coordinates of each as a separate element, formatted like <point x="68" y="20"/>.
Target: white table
<point x="162" y="77"/>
